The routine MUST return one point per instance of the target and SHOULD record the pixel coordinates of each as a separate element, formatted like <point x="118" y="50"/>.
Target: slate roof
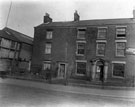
<point x="19" y="36"/>
<point x="89" y="22"/>
<point x="8" y="35"/>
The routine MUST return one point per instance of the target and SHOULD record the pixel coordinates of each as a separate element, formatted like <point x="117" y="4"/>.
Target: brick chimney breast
<point x="47" y="18"/>
<point x="76" y="16"/>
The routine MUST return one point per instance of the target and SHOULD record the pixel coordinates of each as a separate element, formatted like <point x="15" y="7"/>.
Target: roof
<point x="89" y="22"/>
<point x="19" y="36"/>
<point x="8" y="35"/>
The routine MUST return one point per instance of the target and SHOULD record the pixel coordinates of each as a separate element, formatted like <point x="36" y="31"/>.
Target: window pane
<point x="121" y="32"/>
<point x="120" y="51"/>
<point x="81" y="48"/>
<point x="121" y="45"/>
<point x="46" y="66"/>
<point x="49" y="35"/>
<point x="48" y="48"/>
<point x="102" y="33"/>
<point x="118" y="69"/>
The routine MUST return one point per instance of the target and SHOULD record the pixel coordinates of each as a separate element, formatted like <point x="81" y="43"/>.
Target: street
<point x="22" y="96"/>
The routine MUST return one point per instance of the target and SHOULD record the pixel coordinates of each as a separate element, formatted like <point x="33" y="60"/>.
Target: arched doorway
<point x="99" y="69"/>
<point x="99" y="73"/>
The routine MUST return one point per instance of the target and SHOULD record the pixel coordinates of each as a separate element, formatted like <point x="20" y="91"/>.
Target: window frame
<point x="120" y="27"/>
<point x="46" y="62"/>
<point x="101" y="28"/>
<point x="118" y="62"/>
<point x="81" y="61"/>
<point x="77" y="42"/>
<point x="47" y="48"/>
<point x="81" y="29"/>
<point x="48" y="35"/>
<point x="116" y="49"/>
<point x="98" y="42"/>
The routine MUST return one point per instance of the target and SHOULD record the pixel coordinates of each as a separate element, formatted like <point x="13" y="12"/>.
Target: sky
<point x="26" y="14"/>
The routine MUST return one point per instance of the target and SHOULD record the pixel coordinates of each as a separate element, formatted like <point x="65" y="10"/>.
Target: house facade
<point x="15" y="50"/>
<point x="94" y="50"/>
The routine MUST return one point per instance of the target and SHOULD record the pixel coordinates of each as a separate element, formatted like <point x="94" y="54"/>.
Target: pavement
<point x="111" y="93"/>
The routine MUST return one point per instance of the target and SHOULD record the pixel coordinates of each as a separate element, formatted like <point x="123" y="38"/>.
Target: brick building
<point x="15" y="50"/>
<point x="92" y="50"/>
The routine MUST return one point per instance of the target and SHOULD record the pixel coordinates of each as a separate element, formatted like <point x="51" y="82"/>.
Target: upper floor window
<point x="100" y="51"/>
<point x="13" y="44"/>
<point x="81" y="33"/>
<point x="80" y="48"/>
<point x="49" y="35"/>
<point x="48" y="47"/>
<point x="120" y="32"/>
<point x="120" y="48"/>
<point x="102" y="32"/>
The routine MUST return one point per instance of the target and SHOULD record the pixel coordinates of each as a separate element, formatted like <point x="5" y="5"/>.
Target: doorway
<point x="99" y="71"/>
<point x="62" y="70"/>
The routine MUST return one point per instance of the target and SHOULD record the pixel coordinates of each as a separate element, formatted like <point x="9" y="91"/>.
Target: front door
<point x="99" y="72"/>
<point x="61" y="71"/>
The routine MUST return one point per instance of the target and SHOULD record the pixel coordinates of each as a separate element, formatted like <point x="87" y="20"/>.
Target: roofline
<point x="19" y="32"/>
<point x="85" y="20"/>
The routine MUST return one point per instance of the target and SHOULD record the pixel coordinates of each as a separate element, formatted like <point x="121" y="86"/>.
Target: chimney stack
<point x="76" y="16"/>
<point x="47" y="18"/>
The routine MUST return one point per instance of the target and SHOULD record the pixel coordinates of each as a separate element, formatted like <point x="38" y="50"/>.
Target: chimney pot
<point x="47" y="18"/>
<point x="76" y="16"/>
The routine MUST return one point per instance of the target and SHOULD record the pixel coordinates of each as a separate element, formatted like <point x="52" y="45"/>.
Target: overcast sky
<point x="26" y="14"/>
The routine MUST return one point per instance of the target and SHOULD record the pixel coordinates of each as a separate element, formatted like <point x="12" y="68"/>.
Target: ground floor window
<point x="81" y="68"/>
<point x="46" y="65"/>
<point x="118" y="69"/>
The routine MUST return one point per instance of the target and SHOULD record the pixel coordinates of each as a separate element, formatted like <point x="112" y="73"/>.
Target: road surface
<point x="22" y="96"/>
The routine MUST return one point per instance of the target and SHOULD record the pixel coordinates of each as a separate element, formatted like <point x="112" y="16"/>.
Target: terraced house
<point x="15" y="50"/>
<point x="90" y="50"/>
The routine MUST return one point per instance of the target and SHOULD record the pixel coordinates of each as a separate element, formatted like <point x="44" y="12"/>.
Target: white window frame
<point x="118" y="62"/>
<point x="97" y="42"/>
<point x="49" y="34"/>
<point x="46" y="62"/>
<point x="99" y="28"/>
<point x="47" y="49"/>
<point x="77" y="42"/>
<point x="118" y="27"/>
<point x="83" y="61"/>
<point x="120" y="41"/>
